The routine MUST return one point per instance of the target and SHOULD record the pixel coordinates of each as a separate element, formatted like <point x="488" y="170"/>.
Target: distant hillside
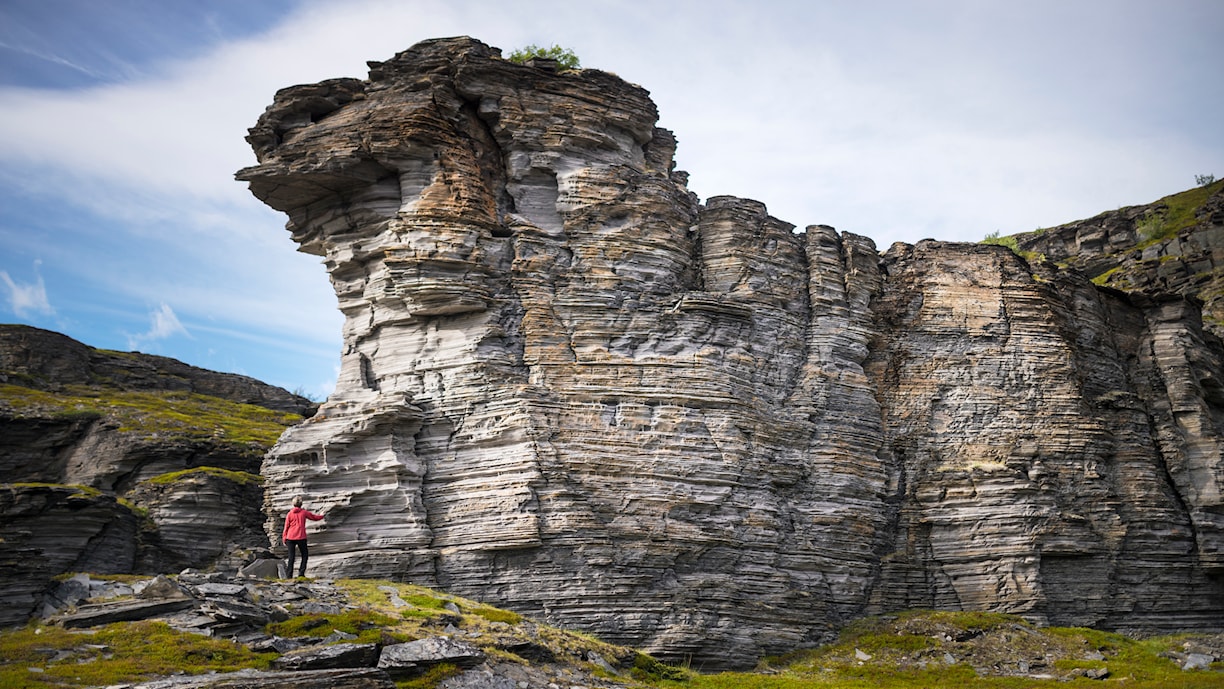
<point x="124" y="462"/>
<point x="1171" y="246"/>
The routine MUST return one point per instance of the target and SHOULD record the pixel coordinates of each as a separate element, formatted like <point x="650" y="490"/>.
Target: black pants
<point x="299" y="545"/>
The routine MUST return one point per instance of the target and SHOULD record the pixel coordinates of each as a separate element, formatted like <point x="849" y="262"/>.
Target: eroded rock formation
<point x="571" y="388"/>
<point x="105" y="468"/>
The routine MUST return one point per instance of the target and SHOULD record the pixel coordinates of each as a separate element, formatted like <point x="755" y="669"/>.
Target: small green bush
<point x="566" y="59"/>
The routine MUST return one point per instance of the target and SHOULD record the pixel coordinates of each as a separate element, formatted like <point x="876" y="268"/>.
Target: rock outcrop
<point x="1172" y="246"/>
<point x="117" y="462"/>
<point x="465" y="643"/>
<point x="571" y="388"/>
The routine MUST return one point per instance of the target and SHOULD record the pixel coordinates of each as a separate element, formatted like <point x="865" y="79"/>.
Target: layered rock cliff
<point x="572" y="388"/>
<point x="119" y="462"/>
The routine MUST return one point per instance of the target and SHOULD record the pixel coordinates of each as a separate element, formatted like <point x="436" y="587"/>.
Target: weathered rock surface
<point x="571" y="389"/>
<point x="77" y="466"/>
<point x="1174" y="245"/>
<point x="47" y="530"/>
<point x="202" y="604"/>
<point x="203" y="519"/>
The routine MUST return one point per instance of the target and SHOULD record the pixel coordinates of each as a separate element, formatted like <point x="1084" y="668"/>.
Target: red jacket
<point x="295" y="524"/>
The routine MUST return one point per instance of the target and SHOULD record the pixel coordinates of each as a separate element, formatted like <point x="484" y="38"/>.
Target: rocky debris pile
<point x="570" y="387"/>
<point x="241" y="608"/>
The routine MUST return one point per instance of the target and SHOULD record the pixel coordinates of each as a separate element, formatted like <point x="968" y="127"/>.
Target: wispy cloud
<point x="51" y="58"/>
<point x="163" y="325"/>
<point x="894" y="120"/>
<point x="27" y="299"/>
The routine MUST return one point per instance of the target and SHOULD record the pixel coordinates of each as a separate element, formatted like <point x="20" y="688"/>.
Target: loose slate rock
<point x="407" y="659"/>
<point x="329" y="657"/>
<point x="346" y="678"/>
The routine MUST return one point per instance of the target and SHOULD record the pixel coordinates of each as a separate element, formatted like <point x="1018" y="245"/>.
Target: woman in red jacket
<point x="294" y="533"/>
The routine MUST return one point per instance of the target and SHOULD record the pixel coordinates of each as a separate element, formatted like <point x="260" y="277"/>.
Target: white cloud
<point x="894" y="120"/>
<point x="163" y="325"/>
<point x="27" y="299"/>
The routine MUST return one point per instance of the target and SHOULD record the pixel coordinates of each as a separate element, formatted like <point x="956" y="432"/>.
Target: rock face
<point x="1175" y="245"/>
<point x="100" y="472"/>
<point x="52" y="529"/>
<point x="570" y="388"/>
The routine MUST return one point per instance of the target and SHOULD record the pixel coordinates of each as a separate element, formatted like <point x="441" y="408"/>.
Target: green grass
<point x="1178" y="214"/>
<point x="168" y="414"/>
<point x="113" y="654"/>
<point x="239" y="477"/>
<point x="369" y="626"/>
<point x="432" y="677"/>
<point x="77" y="489"/>
<point x="1011" y="242"/>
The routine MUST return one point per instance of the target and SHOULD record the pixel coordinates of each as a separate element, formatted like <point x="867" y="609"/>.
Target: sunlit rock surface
<point x="82" y="436"/>
<point x="570" y="388"/>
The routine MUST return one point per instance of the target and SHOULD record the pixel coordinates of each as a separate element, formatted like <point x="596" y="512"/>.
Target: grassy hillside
<point x="163" y="414"/>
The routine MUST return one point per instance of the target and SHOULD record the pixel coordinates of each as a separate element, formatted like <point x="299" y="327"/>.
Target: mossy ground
<point x="950" y="649"/>
<point x="163" y="414"/>
<point x="904" y="651"/>
<point x="38" y="656"/>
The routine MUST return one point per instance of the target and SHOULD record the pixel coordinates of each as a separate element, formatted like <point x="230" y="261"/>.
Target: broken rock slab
<point x="414" y="657"/>
<point x="159" y="597"/>
<point x="347" y="678"/>
<point x="345" y="655"/>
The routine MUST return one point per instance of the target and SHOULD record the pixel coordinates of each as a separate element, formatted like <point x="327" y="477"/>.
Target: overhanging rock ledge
<point x="570" y="388"/>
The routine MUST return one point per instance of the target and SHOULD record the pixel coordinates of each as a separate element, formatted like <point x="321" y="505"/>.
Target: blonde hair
<point x="297" y="502"/>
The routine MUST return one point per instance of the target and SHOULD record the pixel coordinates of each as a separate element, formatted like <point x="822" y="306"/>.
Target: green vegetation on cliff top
<point x="1169" y="215"/>
<point x="1177" y="215"/>
<point x="162" y="414"/>
<point x="566" y="59"/>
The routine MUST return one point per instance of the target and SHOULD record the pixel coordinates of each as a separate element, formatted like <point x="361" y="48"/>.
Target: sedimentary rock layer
<point x="571" y="388"/>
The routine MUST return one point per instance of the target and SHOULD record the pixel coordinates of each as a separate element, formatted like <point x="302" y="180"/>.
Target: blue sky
<point x="122" y="123"/>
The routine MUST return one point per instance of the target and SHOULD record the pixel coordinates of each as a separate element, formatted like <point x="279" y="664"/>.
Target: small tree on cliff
<point x="566" y="59"/>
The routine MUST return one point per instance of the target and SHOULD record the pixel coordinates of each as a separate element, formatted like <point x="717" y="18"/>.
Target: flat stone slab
<point x="121" y="611"/>
<point x="346" y="678"/>
<point x="328" y="657"/>
<point x="413" y="657"/>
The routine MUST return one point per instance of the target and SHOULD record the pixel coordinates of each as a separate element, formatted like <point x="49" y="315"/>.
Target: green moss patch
<point x="966" y="649"/>
<point x="239" y="477"/>
<point x="367" y="625"/>
<point x="113" y="654"/>
<point x="165" y="414"/>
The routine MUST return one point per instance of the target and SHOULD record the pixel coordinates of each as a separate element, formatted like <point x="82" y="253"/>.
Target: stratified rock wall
<point x="570" y="388"/>
<point x="1045" y="470"/>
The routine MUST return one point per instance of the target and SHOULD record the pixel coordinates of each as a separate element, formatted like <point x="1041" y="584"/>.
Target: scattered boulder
<point x="346" y="678"/>
<point x="414" y="657"/>
<point x="327" y="657"/>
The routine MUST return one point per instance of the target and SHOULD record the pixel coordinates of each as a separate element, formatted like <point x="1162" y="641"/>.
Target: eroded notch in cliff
<point x="490" y="159"/>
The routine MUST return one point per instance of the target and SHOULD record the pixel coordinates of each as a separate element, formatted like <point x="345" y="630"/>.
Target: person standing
<point x="294" y="533"/>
